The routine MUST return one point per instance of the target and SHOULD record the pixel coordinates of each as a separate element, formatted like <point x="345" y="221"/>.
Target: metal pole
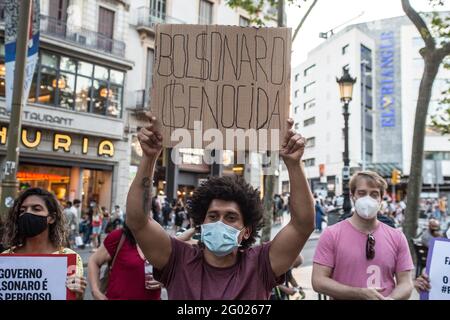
<point x="10" y="184"/>
<point x="345" y="179"/>
<point x="363" y="98"/>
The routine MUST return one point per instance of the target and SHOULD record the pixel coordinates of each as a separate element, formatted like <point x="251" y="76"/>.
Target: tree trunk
<point x="432" y="64"/>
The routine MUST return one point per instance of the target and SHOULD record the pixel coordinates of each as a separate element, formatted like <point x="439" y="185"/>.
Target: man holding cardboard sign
<point x="229" y="211"/>
<point x="221" y="83"/>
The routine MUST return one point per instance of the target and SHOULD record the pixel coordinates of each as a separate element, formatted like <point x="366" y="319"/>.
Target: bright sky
<point x="329" y="14"/>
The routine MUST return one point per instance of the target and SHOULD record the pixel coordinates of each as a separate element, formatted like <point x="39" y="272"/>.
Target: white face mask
<point x="367" y="207"/>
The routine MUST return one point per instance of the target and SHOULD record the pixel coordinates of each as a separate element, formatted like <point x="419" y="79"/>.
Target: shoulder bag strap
<point x="122" y="240"/>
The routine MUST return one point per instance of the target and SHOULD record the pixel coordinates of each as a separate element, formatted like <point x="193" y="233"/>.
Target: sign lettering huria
<point x="60" y="141"/>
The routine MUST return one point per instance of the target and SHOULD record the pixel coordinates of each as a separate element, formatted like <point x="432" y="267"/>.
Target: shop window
<point x="47" y="85"/>
<point x="85" y="68"/>
<point x="101" y="93"/>
<point x="83" y="94"/>
<point x="101" y="73"/>
<point x="115" y="97"/>
<point x="72" y="84"/>
<point x="66" y="86"/>
<point x="68" y="64"/>
<point x="49" y="60"/>
<point x="76" y="85"/>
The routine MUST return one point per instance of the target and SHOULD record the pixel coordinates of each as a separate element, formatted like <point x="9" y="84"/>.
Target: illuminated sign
<point x="387" y="79"/>
<point x="60" y="141"/>
<point x="27" y="176"/>
<point x="31" y="144"/>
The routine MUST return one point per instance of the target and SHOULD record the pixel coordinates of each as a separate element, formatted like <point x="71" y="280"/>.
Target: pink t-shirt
<point x="187" y="276"/>
<point x="343" y="248"/>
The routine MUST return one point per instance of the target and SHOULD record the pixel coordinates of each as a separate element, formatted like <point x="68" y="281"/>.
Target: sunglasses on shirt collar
<point x="370" y="247"/>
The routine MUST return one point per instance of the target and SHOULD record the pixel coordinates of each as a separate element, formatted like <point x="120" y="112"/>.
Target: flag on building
<point x="11" y="31"/>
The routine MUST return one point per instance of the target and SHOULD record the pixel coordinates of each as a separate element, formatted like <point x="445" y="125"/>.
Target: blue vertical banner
<point x="11" y="31"/>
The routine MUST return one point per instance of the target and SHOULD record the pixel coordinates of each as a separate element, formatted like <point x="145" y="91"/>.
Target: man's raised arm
<point x="151" y="237"/>
<point x="288" y="243"/>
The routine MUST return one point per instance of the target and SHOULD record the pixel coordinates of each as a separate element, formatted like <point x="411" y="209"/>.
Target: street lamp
<point x="346" y="83"/>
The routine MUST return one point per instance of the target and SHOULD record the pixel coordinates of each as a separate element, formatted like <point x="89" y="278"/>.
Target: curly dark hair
<point x="229" y="188"/>
<point x="57" y="230"/>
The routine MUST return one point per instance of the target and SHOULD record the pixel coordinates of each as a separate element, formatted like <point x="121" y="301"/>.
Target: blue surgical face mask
<point x="219" y="238"/>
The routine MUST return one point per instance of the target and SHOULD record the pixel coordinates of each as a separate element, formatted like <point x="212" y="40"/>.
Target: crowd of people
<point x="170" y="215"/>
<point x="87" y="227"/>
<point x="390" y="210"/>
<point x="362" y="256"/>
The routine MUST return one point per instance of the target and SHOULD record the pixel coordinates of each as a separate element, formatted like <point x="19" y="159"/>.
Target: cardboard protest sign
<point x="36" y="277"/>
<point x="438" y="269"/>
<point x="233" y="80"/>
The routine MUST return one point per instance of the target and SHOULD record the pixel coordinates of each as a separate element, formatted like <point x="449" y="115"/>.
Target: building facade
<point x="73" y="139"/>
<point x="384" y="57"/>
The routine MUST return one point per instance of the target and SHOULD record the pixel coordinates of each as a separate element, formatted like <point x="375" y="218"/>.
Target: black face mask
<point x="31" y="225"/>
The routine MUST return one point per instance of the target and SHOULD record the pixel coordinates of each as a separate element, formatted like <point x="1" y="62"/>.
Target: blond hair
<point x="372" y="177"/>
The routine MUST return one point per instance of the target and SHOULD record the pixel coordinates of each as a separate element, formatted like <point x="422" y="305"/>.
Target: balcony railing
<point x="82" y="37"/>
<point x="139" y="100"/>
<point x="150" y="18"/>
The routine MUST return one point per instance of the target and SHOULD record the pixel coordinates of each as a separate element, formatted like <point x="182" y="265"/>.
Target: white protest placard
<point x="35" y="277"/>
<point x="438" y="269"/>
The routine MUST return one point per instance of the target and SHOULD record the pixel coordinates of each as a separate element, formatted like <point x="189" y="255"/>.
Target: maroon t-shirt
<point x="188" y="276"/>
<point x="127" y="278"/>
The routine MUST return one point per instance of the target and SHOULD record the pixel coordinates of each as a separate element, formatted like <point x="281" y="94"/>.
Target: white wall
<point x="186" y="11"/>
<point x="329" y="142"/>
